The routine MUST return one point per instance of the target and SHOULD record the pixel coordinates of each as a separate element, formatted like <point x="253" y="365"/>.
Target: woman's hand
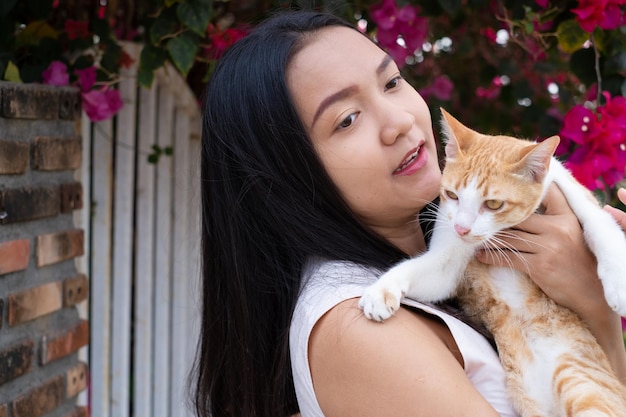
<point x="553" y="252"/>
<point x="617" y="214"/>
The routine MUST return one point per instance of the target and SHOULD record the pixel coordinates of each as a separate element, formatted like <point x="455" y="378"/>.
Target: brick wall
<point x="41" y="330"/>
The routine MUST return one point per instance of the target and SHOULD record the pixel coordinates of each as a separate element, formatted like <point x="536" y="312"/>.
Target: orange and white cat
<point x="554" y="365"/>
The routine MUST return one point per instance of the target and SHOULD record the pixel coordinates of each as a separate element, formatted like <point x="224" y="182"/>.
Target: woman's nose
<point x="396" y="123"/>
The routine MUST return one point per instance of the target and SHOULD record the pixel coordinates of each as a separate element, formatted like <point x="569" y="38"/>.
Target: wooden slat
<point x="123" y="243"/>
<point x="144" y="257"/>
<point x="193" y="234"/>
<point x="101" y="223"/>
<point x="180" y="293"/>
<point x="82" y="220"/>
<point x="163" y="261"/>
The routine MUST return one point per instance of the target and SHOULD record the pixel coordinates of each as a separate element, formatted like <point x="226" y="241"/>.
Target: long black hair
<point x="267" y="206"/>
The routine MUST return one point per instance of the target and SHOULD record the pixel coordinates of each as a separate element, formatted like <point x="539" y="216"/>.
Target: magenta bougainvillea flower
<point x="56" y="74"/>
<point x="86" y="78"/>
<point x="607" y="14"/>
<point x="101" y="104"/>
<point x="394" y="23"/>
<point x="598" y="140"/>
<point x="440" y="88"/>
<point x="76" y="29"/>
<point x="221" y="40"/>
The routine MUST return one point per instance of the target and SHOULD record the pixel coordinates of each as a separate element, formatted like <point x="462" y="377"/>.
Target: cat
<point x="554" y="365"/>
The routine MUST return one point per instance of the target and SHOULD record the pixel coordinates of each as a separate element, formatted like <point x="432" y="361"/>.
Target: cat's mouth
<point x="410" y="158"/>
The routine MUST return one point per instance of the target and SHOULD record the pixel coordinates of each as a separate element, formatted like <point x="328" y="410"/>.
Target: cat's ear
<point x="536" y="161"/>
<point x="453" y="133"/>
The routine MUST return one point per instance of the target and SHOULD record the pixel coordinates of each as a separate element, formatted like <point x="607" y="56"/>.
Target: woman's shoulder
<point x="410" y="353"/>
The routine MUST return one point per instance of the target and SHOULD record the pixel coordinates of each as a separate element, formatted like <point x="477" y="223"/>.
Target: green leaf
<point x="6" y="6"/>
<point x="582" y="64"/>
<point x="571" y="36"/>
<point x="164" y="25"/>
<point x="145" y="77"/>
<point x="452" y="7"/>
<point x="182" y="50"/>
<point x="12" y="73"/>
<point x="152" y="57"/>
<point x="195" y="15"/>
<point x="615" y="64"/>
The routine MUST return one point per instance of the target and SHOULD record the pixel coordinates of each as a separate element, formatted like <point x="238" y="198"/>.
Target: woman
<point x="317" y="158"/>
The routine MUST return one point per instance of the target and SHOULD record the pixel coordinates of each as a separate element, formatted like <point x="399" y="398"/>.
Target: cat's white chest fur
<point x="510" y="286"/>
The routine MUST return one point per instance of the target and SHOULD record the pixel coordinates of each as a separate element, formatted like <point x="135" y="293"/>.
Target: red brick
<point x="75" y="290"/>
<point x="57" y="247"/>
<point x="57" y="347"/>
<point x="77" y="412"/>
<point x="14" y="157"/>
<point x="57" y="154"/>
<point x="29" y="101"/>
<point x="41" y="400"/>
<point x="16" y="361"/>
<point x="14" y="255"/>
<point x="34" y="302"/>
<point x="69" y="104"/>
<point x="71" y="197"/>
<point x="76" y="380"/>
<point x="29" y="203"/>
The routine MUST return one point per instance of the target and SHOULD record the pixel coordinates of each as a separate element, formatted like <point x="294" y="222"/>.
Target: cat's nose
<point x="461" y="230"/>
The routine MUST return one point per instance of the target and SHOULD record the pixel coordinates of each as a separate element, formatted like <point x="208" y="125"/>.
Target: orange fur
<point x="582" y="381"/>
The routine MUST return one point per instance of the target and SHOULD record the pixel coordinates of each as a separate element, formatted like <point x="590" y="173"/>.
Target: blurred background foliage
<point x="530" y="68"/>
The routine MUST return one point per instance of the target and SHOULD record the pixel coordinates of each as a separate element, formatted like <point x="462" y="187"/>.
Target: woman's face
<point x="371" y="129"/>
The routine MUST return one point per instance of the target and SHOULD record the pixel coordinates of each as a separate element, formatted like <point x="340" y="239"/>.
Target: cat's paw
<point x="380" y="302"/>
<point x="614" y="286"/>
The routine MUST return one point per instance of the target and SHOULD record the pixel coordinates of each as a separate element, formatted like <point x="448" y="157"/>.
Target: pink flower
<point x="221" y="40"/>
<point x="56" y="74"/>
<point x="492" y="91"/>
<point x="101" y="104"/>
<point x="542" y="3"/>
<point x="86" y="78"/>
<point x="598" y="138"/>
<point x="76" y="29"/>
<point x="604" y="13"/>
<point x="441" y="88"/>
<point x="490" y="34"/>
<point x="394" y="23"/>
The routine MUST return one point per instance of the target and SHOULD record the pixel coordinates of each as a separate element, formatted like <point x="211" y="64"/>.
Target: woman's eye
<point x="347" y="122"/>
<point x="393" y="83"/>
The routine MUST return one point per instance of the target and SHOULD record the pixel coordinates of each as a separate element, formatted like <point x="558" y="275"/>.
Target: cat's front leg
<point x="430" y="277"/>
<point x="382" y="299"/>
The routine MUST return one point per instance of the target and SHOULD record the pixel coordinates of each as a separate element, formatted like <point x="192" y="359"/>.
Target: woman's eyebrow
<point x="384" y="64"/>
<point x="333" y="98"/>
<point x="343" y="93"/>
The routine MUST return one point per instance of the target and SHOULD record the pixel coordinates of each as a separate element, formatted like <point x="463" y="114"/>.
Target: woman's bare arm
<point x="402" y="367"/>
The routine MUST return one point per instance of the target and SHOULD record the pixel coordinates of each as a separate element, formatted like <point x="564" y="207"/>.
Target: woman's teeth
<point x="408" y="161"/>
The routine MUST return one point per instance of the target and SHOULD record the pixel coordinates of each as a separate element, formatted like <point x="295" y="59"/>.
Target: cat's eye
<point x="451" y="195"/>
<point x="494" y="204"/>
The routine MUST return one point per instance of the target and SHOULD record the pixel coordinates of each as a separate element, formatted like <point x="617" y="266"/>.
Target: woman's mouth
<point x="413" y="161"/>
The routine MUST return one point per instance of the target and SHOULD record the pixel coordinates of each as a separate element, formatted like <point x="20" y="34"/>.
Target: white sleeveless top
<point x="328" y="283"/>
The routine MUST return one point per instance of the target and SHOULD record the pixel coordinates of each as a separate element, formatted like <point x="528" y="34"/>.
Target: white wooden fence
<point x="142" y="240"/>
